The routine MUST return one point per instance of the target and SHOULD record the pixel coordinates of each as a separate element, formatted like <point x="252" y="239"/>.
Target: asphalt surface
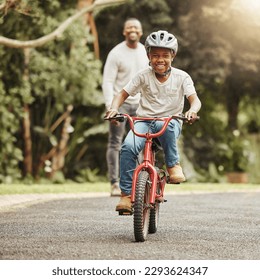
<point x="192" y="227"/>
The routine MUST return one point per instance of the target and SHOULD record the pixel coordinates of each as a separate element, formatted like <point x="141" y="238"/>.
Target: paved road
<point x="191" y="226"/>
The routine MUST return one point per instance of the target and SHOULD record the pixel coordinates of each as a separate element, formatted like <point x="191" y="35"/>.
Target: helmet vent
<point x="154" y="36"/>
<point x="161" y="36"/>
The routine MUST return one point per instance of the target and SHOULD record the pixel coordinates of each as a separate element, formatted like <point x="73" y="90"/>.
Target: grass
<point x="213" y="187"/>
<point x="104" y="187"/>
<point x="53" y="188"/>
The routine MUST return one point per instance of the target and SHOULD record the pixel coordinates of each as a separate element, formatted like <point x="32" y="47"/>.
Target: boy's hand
<point x="110" y="114"/>
<point x="191" y="116"/>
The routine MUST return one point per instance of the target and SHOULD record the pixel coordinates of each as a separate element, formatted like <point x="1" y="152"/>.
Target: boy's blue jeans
<point x="133" y="145"/>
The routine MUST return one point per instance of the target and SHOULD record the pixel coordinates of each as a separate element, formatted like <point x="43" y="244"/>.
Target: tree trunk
<point x="89" y="20"/>
<point x="27" y="122"/>
<point x="58" y="158"/>
<point x="233" y="108"/>
<point x="233" y="93"/>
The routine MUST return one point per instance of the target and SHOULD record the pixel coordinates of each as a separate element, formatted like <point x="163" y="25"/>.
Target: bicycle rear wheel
<point x="142" y="207"/>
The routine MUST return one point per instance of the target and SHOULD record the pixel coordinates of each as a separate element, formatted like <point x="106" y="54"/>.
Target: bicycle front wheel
<point x="142" y="207"/>
<point x="154" y="218"/>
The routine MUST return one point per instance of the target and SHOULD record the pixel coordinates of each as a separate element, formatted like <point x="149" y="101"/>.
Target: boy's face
<point x="161" y="59"/>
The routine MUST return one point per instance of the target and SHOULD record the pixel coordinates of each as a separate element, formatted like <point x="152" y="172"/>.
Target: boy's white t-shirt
<point x="161" y="99"/>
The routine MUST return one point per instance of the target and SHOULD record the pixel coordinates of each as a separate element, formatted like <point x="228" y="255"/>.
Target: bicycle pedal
<point x="124" y="213"/>
<point x="160" y="199"/>
<point x="172" y="183"/>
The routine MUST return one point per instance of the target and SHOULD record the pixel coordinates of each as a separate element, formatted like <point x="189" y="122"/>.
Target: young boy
<point x="163" y="89"/>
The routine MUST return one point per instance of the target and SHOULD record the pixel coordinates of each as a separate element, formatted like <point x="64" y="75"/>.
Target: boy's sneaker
<point x="124" y="204"/>
<point x="176" y="175"/>
<point x="115" y="190"/>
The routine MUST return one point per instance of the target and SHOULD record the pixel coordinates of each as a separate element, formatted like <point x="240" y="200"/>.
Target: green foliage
<point x="217" y="45"/>
<point x="203" y="141"/>
<point x="88" y="143"/>
<point x="88" y="175"/>
<point x="66" y="79"/>
<point x="10" y="155"/>
<point x="237" y="155"/>
<point x="60" y="73"/>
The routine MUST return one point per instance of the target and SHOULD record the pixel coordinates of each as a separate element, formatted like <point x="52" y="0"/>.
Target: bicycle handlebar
<point x="122" y="117"/>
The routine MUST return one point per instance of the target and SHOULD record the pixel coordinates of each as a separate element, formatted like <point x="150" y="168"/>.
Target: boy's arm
<point x="118" y="100"/>
<point x="195" y="106"/>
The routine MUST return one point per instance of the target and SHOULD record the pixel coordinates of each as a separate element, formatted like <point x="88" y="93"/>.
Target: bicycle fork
<point x="153" y="175"/>
<point x="148" y="166"/>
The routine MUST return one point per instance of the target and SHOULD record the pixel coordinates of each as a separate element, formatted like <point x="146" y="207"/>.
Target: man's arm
<point x="109" y="77"/>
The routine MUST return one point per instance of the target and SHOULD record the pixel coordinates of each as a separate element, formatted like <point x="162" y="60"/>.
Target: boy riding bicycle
<point x="162" y="88"/>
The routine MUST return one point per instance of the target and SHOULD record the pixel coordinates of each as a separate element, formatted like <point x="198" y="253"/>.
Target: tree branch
<point x="2" y="6"/>
<point x="9" y="4"/>
<point x="57" y="33"/>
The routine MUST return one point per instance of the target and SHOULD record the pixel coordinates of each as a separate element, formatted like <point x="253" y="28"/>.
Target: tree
<point x="47" y="80"/>
<point x="222" y="60"/>
<point x="219" y="58"/>
<point x="57" y="33"/>
<point x="220" y="43"/>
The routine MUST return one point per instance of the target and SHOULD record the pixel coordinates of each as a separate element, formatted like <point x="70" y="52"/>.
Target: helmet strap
<point x="165" y="73"/>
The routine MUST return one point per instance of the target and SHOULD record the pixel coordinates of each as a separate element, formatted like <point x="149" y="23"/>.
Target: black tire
<point x="154" y="218"/>
<point x="154" y="212"/>
<point x="141" y="207"/>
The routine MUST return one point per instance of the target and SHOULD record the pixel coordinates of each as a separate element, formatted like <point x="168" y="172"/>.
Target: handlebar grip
<point x="182" y="117"/>
<point x="118" y="118"/>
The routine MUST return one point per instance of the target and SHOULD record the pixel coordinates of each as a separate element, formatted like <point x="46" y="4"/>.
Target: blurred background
<point x="51" y="103"/>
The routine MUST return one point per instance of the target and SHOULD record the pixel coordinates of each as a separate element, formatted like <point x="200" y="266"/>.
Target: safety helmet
<point x="161" y="39"/>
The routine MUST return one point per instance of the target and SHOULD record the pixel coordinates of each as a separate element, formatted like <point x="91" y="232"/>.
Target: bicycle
<point x="148" y="181"/>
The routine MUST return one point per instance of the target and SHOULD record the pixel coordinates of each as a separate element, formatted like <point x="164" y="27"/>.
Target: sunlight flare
<point x="249" y="6"/>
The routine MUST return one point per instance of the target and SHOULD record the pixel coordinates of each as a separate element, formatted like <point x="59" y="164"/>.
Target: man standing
<point x="123" y="62"/>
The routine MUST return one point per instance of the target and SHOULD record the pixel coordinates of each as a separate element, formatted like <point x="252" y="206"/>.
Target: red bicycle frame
<point x="148" y="163"/>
